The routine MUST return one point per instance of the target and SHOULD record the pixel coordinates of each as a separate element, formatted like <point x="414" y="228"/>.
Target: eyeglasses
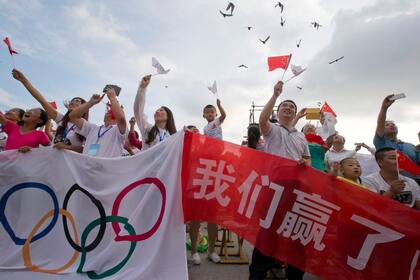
<point x="76" y="100"/>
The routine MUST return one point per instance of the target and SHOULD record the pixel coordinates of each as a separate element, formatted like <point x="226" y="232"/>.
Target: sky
<point x="74" y="48"/>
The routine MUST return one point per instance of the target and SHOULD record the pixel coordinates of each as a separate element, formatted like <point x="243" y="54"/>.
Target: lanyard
<point x="103" y="133"/>
<point x="162" y="136"/>
<point x="66" y="131"/>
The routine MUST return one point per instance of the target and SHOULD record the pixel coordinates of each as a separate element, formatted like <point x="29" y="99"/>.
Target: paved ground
<point x="210" y="271"/>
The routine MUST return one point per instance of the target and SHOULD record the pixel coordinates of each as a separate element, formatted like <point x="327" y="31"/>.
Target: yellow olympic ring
<point x="25" y="250"/>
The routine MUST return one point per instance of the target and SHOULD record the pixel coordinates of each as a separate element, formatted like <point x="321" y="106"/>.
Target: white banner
<point x="70" y="216"/>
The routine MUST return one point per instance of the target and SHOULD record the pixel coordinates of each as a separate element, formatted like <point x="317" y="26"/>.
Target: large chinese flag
<point x="282" y="61"/>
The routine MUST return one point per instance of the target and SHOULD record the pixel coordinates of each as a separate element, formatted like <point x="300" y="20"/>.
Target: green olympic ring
<point x="115" y="269"/>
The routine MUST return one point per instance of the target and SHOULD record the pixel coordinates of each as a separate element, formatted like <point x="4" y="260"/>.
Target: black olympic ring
<point x="102" y="218"/>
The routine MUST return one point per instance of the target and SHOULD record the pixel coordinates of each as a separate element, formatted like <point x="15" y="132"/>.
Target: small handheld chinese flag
<point x="327" y="109"/>
<point x="9" y="46"/>
<point x="53" y="104"/>
<point x="275" y="62"/>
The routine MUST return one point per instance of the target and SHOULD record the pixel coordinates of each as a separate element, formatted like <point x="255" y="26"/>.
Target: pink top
<point x="17" y="139"/>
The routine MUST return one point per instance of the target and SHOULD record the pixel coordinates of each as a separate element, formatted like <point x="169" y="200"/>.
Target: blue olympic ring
<point x="5" y="223"/>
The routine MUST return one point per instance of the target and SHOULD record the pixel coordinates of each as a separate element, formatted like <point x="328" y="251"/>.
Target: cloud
<point x="8" y="100"/>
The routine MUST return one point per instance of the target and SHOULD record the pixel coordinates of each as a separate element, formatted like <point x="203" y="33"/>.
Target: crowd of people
<point x="319" y="147"/>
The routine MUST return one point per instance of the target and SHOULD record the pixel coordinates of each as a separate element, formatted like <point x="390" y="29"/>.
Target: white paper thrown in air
<point x="159" y="68"/>
<point x="213" y="88"/>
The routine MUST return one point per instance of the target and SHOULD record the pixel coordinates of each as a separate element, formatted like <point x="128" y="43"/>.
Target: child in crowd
<point x="133" y="144"/>
<point x="214" y="125"/>
<point x="164" y="125"/>
<point x="350" y="170"/>
<point x="254" y="139"/>
<point x="66" y="136"/>
<point x="24" y="136"/>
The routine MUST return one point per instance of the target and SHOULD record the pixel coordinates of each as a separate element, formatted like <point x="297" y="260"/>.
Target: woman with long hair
<point x="66" y="136"/>
<point x="164" y="125"/>
<point x="15" y="115"/>
<point x="24" y="136"/>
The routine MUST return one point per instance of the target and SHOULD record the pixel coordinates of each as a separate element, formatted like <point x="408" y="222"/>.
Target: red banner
<point x="299" y="215"/>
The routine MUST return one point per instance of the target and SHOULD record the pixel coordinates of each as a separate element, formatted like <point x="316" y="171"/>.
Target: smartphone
<point x="397" y="96"/>
<point x="115" y="87"/>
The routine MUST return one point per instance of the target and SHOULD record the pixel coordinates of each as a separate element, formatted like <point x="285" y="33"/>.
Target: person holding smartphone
<point x="387" y="131"/>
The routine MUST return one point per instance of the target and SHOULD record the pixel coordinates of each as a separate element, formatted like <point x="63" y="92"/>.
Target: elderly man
<point x="284" y="140"/>
<point x="388" y="182"/>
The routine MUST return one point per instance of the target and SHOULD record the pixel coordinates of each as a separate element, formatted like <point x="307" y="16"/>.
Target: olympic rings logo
<point x="80" y="247"/>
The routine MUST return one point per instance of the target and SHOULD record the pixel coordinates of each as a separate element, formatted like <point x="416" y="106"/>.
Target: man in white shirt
<point x="388" y="182"/>
<point x="106" y="140"/>
<point x="284" y="140"/>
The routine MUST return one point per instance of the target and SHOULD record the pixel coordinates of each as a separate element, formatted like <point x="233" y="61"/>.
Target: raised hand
<point x="387" y="103"/>
<point x="145" y="81"/>
<point x="301" y="113"/>
<point x="110" y="92"/>
<point x="18" y="75"/>
<point x="96" y="98"/>
<point x="132" y="121"/>
<point x="278" y="88"/>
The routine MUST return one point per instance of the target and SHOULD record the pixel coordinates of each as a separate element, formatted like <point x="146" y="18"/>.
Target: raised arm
<point x="77" y="113"/>
<point x="52" y="113"/>
<point x="264" y="120"/>
<point x="222" y="111"/>
<point x="299" y="115"/>
<point x="116" y="108"/>
<point x="49" y="129"/>
<point x="139" y="105"/>
<point x="380" y="126"/>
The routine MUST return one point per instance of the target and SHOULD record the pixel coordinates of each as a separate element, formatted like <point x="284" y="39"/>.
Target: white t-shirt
<point x="110" y="140"/>
<point x="408" y="196"/>
<point x="332" y="156"/>
<point x="160" y="136"/>
<point x="214" y="129"/>
<point x="70" y="131"/>
<point x="289" y="144"/>
<point x="3" y="140"/>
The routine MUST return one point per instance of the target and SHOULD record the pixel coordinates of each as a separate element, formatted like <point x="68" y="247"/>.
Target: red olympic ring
<point x="116" y="206"/>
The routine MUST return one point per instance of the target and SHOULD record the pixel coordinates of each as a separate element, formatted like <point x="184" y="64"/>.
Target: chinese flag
<point x="275" y="62"/>
<point x="406" y="164"/>
<point x="53" y="104"/>
<point x="327" y="109"/>
<point x="9" y="45"/>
